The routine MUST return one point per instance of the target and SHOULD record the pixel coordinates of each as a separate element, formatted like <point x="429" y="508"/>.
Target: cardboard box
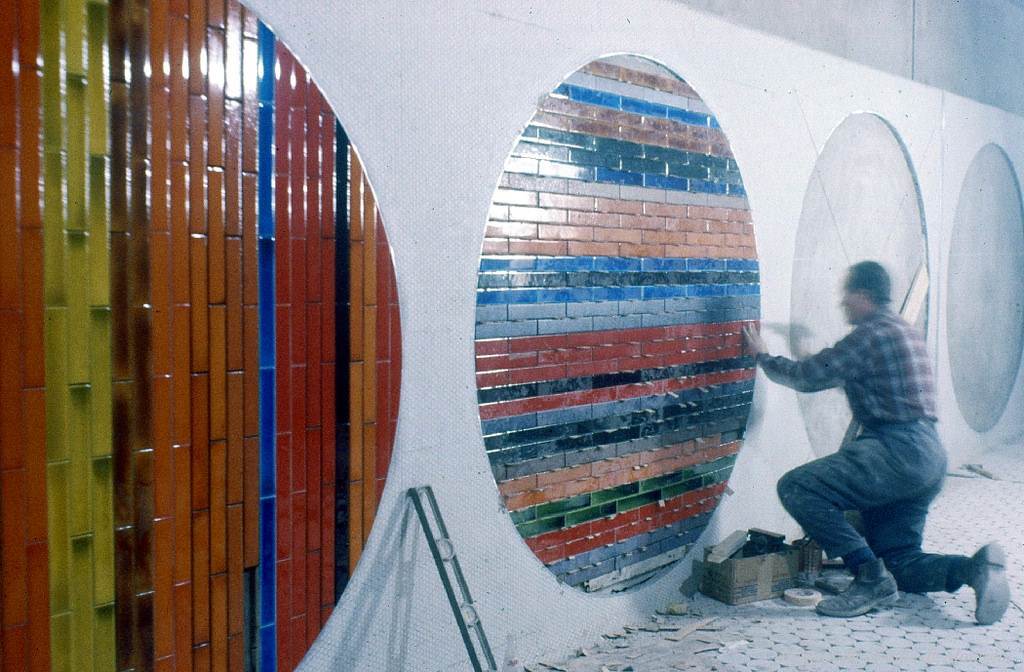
<point x="735" y="579"/>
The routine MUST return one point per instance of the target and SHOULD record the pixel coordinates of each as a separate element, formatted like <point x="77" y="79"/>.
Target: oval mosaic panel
<point x="985" y="295"/>
<point x="618" y="265"/>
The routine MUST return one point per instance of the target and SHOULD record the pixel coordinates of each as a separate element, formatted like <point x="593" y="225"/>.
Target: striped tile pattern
<point x="617" y="268"/>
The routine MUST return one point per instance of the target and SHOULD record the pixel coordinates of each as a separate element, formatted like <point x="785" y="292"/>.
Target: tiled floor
<point x="934" y="632"/>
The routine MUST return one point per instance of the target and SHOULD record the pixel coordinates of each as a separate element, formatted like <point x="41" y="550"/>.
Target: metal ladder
<point x="447" y="562"/>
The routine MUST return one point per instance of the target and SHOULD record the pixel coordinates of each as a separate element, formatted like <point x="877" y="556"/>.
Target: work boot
<point x="873" y="587"/>
<point x="988" y="580"/>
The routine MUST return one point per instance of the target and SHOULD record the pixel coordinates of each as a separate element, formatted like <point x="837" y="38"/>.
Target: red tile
<point x="38" y="606"/>
<point x="32" y="352"/>
<point x="36" y="524"/>
<point x="14" y="599"/>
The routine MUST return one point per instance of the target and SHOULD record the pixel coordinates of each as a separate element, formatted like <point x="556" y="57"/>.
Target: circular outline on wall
<point x="617" y="267"/>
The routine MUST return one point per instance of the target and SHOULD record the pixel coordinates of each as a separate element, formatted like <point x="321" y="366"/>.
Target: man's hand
<point x="752" y="339"/>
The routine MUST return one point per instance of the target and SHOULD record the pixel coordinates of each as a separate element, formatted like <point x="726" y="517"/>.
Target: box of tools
<point x="749" y="565"/>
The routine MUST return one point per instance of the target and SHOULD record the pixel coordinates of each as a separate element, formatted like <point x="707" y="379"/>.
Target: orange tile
<point x="36" y="525"/>
<point x="215" y="226"/>
<point x="178" y="88"/>
<point x="182" y="464"/>
<point x="251" y="512"/>
<point x="200" y="441"/>
<point x="219" y="622"/>
<point x="236" y="583"/>
<point x="163" y="473"/>
<point x="197" y="44"/>
<point x="163" y="625"/>
<point x="183" y="625"/>
<point x="215" y="96"/>
<point x="181" y="368"/>
<point x="218" y="507"/>
<point x="235" y="437"/>
<point x="233" y="294"/>
<point x="12" y="546"/>
<point x="200" y="309"/>
<point x="201" y="572"/>
<point x="218" y="372"/>
<point x="197" y="148"/>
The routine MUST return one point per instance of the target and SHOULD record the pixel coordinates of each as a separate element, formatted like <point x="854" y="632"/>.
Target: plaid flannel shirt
<point x="882" y="366"/>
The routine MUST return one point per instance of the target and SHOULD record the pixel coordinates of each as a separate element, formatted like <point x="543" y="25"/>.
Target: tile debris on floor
<point x="934" y="632"/>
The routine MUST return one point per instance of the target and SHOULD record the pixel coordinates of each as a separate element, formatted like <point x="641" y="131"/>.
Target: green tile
<point x="636" y="501"/>
<point x="103" y="529"/>
<point x="51" y="38"/>
<point x="97" y="18"/>
<point x="55" y="345"/>
<point x="75" y="153"/>
<point x="60" y="637"/>
<point x="100" y="374"/>
<point x="74" y="27"/>
<point x="53" y="229"/>
<point x="538" y="527"/>
<point x="590" y="513"/>
<point x="560" y="506"/>
<point x="80" y="474"/>
<point x="618" y="492"/>
<point x="82" y="611"/>
<point x="105" y="644"/>
<point x="59" y="536"/>
<point x="78" y="308"/>
<point x="99" y="233"/>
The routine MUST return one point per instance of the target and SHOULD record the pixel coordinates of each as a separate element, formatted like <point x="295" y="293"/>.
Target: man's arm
<point x="818" y="372"/>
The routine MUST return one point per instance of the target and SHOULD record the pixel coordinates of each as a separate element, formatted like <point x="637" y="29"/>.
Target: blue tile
<point x="618" y="177"/>
<point x="688" y="117"/>
<point x="644" y="107"/>
<point x="666" y="182"/>
<point x="594" y="97"/>
<point x="268" y="648"/>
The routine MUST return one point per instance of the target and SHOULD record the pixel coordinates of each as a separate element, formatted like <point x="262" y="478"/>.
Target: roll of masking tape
<point x="801" y="597"/>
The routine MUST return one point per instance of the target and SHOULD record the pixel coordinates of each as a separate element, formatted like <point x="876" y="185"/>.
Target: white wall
<point x="433" y="96"/>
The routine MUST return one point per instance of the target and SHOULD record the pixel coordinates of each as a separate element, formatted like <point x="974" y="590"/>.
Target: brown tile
<point x="218" y="507"/>
<point x="200" y="309"/>
<point x="200" y="441"/>
<point x="201" y="574"/>
<point x="182" y="465"/>
<point x="163" y="585"/>
<point x="218" y="372"/>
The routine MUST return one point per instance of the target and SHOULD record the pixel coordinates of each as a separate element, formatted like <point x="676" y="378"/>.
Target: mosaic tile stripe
<point x="666" y="419"/>
<point x="558" y="514"/>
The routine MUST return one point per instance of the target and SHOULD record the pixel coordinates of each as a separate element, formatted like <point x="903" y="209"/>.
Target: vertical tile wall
<point x="617" y="268"/>
<point x="374" y="370"/>
<point x="77" y="260"/>
<point x="24" y="545"/>
<point x="169" y="416"/>
<point x="305" y="357"/>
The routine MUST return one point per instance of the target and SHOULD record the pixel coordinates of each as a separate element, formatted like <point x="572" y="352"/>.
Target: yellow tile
<point x="60" y="637"/>
<point x="51" y="38"/>
<point x="74" y="27"/>
<point x="96" y="22"/>
<point x="59" y="538"/>
<point x="101" y="420"/>
<point x="82" y="611"/>
<point x="75" y="153"/>
<point x="53" y="229"/>
<point x="55" y="345"/>
<point x="80" y="473"/>
<point x="103" y="529"/>
<point x="78" y="308"/>
<point x="99" y="233"/>
<point x="106" y="645"/>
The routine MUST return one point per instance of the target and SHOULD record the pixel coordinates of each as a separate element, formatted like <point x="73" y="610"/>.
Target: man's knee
<point x="788" y="488"/>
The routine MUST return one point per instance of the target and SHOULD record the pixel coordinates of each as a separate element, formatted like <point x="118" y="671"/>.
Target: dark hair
<point x="870" y="277"/>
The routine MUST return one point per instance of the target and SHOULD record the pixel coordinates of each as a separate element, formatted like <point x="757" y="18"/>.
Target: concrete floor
<point x="934" y="632"/>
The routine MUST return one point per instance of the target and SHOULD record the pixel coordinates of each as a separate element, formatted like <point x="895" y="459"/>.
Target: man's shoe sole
<point x="992" y="590"/>
<point x="825" y="610"/>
